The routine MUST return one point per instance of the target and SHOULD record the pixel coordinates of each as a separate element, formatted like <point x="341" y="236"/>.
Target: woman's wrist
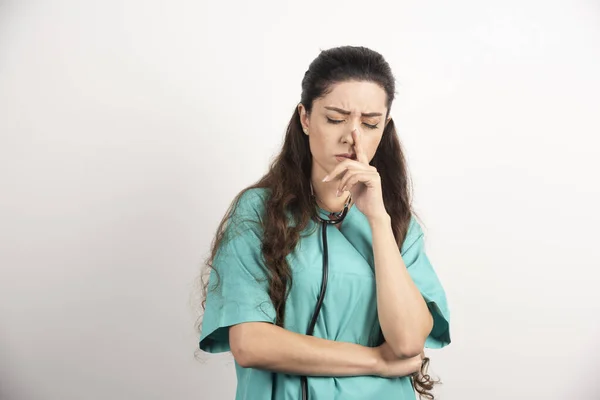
<point x="373" y="360"/>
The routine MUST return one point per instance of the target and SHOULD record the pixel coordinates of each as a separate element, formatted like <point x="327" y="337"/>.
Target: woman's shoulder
<point x="250" y="204"/>
<point x="414" y="232"/>
<point x="253" y="199"/>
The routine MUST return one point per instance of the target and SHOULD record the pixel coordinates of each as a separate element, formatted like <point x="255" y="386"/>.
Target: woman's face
<point x="334" y="117"/>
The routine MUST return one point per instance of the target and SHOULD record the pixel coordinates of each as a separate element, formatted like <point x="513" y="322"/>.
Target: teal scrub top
<point x="348" y="313"/>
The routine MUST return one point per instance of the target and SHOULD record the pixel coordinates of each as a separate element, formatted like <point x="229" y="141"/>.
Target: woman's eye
<point x="336" y="121"/>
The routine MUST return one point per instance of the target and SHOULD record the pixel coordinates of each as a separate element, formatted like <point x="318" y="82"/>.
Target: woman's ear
<point x="303" y="116"/>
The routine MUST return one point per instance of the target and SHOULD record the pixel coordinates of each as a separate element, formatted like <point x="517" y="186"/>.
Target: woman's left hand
<point x="361" y="179"/>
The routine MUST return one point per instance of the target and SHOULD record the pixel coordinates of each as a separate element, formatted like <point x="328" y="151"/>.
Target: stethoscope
<point x="324" y="223"/>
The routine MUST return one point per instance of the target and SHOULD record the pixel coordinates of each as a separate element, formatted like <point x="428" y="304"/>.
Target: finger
<point x="353" y="169"/>
<point x="342" y="186"/>
<point x="355" y="178"/>
<point x="343" y="166"/>
<point x="361" y="155"/>
<point x="339" y="169"/>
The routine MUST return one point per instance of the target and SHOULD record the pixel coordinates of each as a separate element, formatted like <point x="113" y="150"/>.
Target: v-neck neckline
<point x="346" y="218"/>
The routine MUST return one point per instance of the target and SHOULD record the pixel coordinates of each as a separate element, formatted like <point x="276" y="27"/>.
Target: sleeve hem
<point x="215" y="337"/>
<point x="440" y="333"/>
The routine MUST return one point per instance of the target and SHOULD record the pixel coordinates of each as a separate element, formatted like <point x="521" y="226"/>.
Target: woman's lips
<point x="341" y="157"/>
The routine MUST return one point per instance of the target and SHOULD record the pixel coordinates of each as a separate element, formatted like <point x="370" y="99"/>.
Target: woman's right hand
<point x="390" y="366"/>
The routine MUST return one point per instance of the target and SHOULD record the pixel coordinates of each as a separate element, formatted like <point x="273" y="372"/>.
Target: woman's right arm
<point x="270" y="347"/>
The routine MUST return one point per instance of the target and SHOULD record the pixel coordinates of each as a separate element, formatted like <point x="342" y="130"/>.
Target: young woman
<point x="319" y="283"/>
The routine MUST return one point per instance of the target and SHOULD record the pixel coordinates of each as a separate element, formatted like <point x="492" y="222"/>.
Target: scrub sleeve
<point x="239" y="294"/>
<point x="423" y="275"/>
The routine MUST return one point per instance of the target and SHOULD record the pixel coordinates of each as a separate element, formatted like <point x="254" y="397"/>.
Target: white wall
<point x="126" y="127"/>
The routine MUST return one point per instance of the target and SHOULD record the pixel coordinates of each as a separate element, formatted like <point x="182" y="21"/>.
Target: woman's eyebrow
<point x="373" y="114"/>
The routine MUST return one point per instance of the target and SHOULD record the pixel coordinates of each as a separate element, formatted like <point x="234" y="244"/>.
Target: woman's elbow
<point x="415" y="345"/>
<point x="408" y="350"/>
<point x="240" y="357"/>
<point x="245" y="341"/>
<point x="239" y="349"/>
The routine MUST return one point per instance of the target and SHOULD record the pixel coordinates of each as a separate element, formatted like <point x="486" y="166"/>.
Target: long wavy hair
<point x="288" y="180"/>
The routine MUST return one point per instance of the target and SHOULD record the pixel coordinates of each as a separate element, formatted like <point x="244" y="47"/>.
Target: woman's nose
<point x="348" y="134"/>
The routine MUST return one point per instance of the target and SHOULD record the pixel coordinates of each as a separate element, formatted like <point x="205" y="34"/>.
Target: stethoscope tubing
<point x="313" y="321"/>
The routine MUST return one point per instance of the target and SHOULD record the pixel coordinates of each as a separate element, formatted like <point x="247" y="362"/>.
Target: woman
<point x="311" y="307"/>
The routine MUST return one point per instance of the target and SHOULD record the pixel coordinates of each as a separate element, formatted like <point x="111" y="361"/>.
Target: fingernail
<point x="325" y="179"/>
<point x="337" y="193"/>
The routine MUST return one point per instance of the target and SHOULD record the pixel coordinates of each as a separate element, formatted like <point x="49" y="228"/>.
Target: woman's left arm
<point x="404" y="317"/>
<point x="403" y="314"/>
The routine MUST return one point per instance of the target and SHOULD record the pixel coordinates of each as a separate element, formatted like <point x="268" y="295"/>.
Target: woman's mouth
<point x="345" y="155"/>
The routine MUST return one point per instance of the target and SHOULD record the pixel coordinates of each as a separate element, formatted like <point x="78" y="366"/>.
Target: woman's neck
<point x="324" y="193"/>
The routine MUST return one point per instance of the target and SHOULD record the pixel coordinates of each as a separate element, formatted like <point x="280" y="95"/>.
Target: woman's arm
<point x="403" y="314"/>
<point x="270" y="347"/>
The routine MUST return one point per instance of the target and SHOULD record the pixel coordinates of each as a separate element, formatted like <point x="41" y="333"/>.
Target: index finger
<point x="361" y="155"/>
<point x="340" y="168"/>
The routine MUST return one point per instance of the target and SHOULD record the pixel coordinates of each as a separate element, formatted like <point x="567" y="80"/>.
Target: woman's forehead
<point x="355" y="97"/>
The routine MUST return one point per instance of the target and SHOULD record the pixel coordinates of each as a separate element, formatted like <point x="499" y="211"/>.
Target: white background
<point x="126" y="128"/>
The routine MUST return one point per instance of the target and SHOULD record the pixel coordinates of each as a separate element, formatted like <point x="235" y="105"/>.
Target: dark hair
<point x="288" y="178"/>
